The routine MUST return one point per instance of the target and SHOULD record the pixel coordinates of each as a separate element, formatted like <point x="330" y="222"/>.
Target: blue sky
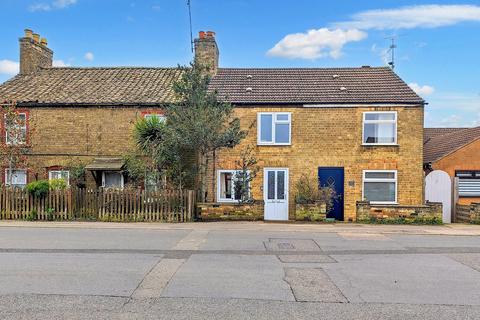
<point x="438" y="41"/>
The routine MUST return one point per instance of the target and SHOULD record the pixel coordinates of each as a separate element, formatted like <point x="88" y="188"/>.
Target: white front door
<point x="275" y="193"/>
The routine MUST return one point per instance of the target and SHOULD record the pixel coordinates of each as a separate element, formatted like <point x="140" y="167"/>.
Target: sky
<point x="437" y="42"/>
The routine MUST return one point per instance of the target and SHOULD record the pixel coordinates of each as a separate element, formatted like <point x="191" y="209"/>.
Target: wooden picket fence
<point x="99" y="204"/>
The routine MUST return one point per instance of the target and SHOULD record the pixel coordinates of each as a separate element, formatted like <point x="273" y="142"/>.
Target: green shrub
<point x="57" y="184"/>
<point x="38" y="188"/>
<point x="50" y="216"/>
<point x="32" y="216"/>
<point x="403" y="220"/>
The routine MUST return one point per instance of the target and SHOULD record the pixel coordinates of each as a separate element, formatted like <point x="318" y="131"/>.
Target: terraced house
<point x="360" y="130"/>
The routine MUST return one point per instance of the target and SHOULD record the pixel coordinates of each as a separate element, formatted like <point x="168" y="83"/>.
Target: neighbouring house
<point x="359" y="130"/>
<point x="457" y="152"/>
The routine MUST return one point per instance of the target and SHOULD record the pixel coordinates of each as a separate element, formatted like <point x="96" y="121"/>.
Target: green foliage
<point x="309" y="191"/>
<point x="38" y="188"/>
<point x="77" y="173"/>
<point x="197" y="126"/>
<point x="419" y="220"/>
<point x="32" y="216"/>
<point x="57" y="184"/>
<point x="50" y="214"/>
<point x="135" y="167"/>
<point x="247" y="171"/>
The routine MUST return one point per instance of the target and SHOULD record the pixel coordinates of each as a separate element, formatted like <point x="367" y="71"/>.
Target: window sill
<point x="274" y="144"/>
<point x="384" y="203"/>
<point x="380" y="145"/>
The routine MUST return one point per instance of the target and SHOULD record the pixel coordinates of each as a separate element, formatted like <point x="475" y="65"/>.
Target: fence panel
<point x="99" y="204"/>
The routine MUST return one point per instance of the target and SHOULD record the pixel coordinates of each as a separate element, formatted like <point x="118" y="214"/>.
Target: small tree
<point x="247" y="170"/>
<point x="15" y="145"/>
<point x="205" y="123"/>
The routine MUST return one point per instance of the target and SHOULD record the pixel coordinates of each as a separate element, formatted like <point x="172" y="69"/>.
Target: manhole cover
<point x="291" y="245"/>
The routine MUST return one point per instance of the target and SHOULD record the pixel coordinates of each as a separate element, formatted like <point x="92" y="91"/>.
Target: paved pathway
<point x="238" y="271"/>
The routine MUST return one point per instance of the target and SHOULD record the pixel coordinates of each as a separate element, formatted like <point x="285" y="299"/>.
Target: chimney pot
<point x="36" y="37"/>
<point x="201" y="34"/>
<point x="28" y="33"/>
<point x="44" y="42"/>
<point x="210" y="34"/>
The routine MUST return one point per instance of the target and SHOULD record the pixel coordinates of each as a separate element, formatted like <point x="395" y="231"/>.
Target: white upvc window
<point x="159" y="116"/>
<point x="16" y="177"/>
<point x="380" y="128"/>
<point x="226" y="185"/>
<point x="112" y="179"/>
<point x="16" y="132"/>
<point x="274" y="128"/>
<point x="59" y="174"/>
<point x="380" y="186"/>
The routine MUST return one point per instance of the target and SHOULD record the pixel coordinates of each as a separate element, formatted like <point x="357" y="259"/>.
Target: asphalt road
<point x="238" y="271"/>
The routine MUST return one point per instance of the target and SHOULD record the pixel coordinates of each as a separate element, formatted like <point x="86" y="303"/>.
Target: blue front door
<point x="333" y="177"/>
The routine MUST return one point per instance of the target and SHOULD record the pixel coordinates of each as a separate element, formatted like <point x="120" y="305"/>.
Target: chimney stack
<point x="34" y="53"/>
<point x="206" y="51"/>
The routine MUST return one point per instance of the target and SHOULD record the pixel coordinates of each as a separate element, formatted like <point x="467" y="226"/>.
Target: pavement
<point x="241" y="270"/>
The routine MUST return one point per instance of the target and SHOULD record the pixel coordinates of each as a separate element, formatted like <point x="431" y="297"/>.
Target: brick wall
<point x="64" y="135"/>
<point x="323" y="137"/>
<point x="466" y="158"/>
<point x="365" y="211"/>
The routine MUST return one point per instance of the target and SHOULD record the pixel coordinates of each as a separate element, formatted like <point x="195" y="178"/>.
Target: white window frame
<point x="380" y="180"/>
<point x="274" y="122"/>
<point x="160" y="116"/>
<point x="7" y="183"/>
<point x="395" y="122"/>
<point x="219" y="174"/>
<point x="121" y="175"/>
<point x="6" y="130"/>
<point x="59" y="171"/>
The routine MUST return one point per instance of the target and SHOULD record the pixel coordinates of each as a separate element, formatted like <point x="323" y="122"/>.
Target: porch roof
<point x="106" y="164"/>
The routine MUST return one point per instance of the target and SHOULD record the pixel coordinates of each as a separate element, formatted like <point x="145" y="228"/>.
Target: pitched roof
<point x="123" y="85"/>
<point x="313" y="86"/>
<point x="433" y="132"/>
<point x="92" y="85"/>
<point x="442" y="145"/>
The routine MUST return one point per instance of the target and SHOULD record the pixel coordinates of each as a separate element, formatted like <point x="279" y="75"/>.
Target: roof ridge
<point x="108" y="68"/>
<point x="306" y="68"/>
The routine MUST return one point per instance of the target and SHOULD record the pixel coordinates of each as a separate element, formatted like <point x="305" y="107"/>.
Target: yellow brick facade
<point x="332" y="137"/>
<point x="60" y="136"/>
<point x="321" y="137"/>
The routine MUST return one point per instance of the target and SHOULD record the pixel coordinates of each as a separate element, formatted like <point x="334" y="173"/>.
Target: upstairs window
<point x="160" y="117"/>
<point x="380" y="128"/>
<point x="16" y="178"/>
<point x="60" y="174"/>
<point x="274" y="128"/>
<point x="16" y="129"/>
<point x="380" y="186"/>
<point x="468" y="183"/>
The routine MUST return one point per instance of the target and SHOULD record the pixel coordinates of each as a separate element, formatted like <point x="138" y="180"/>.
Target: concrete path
<point x="238" y="271"/>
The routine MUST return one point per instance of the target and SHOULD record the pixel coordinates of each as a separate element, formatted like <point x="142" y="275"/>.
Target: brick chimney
<point x="34" y="53"/>
<point x="206" y="51"/>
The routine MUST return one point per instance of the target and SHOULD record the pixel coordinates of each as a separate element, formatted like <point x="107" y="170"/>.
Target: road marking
<point x="157" y="279"/>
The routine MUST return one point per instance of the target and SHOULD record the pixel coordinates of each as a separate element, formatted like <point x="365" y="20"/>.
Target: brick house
<point x="457" y="152"/>
<point x="359" y="130"/>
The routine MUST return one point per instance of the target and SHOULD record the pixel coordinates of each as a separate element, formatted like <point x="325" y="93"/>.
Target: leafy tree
<point x="198" y="125"/>
<point x="14" y="146"/>
<point x="202" y="122"/>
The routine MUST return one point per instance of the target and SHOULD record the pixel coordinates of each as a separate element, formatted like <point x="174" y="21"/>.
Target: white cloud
<point x="89" y="56"/>
<point x="156" y="7"/>
<point x="9" y="67"/>
<point x="424" y="90"/>
<point x="315" y="43"/>
<point x="420" y="16"/>
<point x="57" y="4"/>
<point x="60" y="63"/>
